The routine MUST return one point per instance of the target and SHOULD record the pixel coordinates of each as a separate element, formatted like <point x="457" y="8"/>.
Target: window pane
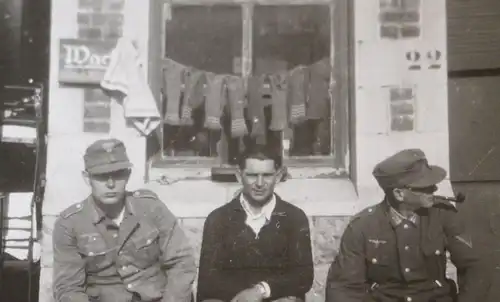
<point x="295" y="40"/>
<point x="206" y="39"/>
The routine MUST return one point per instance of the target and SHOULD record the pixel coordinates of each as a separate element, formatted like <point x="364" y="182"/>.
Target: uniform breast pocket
<point x="435" y="245"/>
<point x="94" y="251"/>
<point x="147" y="247"/>
<point x="379" y="262"/>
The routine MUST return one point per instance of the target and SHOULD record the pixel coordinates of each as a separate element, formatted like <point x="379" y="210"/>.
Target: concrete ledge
<point x="317" y="197"/>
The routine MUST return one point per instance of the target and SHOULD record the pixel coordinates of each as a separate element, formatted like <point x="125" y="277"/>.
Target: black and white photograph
<point x="249" y="151"/>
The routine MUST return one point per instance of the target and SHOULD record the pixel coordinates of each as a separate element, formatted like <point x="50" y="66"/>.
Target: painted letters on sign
<point x="83" y="62"/>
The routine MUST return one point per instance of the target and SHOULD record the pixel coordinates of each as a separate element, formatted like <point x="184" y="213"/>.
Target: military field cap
<point x="105" y="156"/>
<point x="407" y="168"/>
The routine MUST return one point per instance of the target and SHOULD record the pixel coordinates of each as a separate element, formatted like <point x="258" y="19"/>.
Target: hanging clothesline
<point x="296" y="95"/>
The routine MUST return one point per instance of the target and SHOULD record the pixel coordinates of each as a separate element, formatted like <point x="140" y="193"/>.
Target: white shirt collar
<point x="267" y="209"/>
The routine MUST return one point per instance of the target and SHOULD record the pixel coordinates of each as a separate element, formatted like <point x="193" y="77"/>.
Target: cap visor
<point x="108" y="168"/>
<point x="431" y="177"/>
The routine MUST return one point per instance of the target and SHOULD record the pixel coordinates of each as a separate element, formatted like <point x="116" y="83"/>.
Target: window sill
<point x="205" y="168"/>
<point x="197" y="161"/>
<point x="190" y="192"/>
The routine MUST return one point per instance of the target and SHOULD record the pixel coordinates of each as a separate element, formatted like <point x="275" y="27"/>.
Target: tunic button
<point x="129" y="286"/>
<point x="370" y="210"/>
<point x="374" y="260"/>
<point x="148" y="241"/>
<point x="407" y="270"/>
<point x="438" y="252"/>
<point x="405" y="226"/>
<point x="91" y="254"/>
<point x="407" y="248"/>
<point x="78" y="206"/>
<point x="408" y="299"/>
<point x="124" y="267"/>
<point x="115" y="235"/>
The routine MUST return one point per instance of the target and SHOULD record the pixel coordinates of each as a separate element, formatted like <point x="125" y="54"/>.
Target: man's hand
<point x="252" y="294"/>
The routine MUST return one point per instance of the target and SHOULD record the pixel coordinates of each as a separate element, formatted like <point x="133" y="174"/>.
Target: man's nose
<point x="260" y="181"/>
<point x="110" y="183"/>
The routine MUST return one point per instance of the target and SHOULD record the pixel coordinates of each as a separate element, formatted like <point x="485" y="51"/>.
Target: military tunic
<point x="146" y="258"/>
<point x="382" y="260"/>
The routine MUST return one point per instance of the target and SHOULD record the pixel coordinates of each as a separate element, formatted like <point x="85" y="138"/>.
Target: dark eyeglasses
<point x="425" y="190"/>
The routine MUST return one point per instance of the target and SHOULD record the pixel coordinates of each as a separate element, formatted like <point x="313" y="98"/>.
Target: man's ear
<point x="86" y="177"/>
<point x="399" y="194"/>
<point x="239" y="175"/>
<point x="281" y="174"/>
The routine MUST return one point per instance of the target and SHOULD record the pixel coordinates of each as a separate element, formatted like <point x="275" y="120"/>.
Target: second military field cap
<point x="105" y="156"/>
<point x="407" y="168"/>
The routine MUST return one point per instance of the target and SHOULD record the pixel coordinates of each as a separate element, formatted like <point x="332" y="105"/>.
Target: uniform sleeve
<point x="459" y="241"/>
<point x="177" y="257"/>
<point x="346" y="280"/>
<point x="471" y="269"/>
<point x="69" y="267"/>
<point x="299" y="277"/>
<point x="213" y="282"/>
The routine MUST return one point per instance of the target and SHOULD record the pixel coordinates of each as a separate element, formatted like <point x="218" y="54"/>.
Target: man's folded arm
<point x="213" y="282"/>
<point x="69" y="267"/>
<point x="346" y="281"/>
<point x="177" y="257"/>
<point x="299" y="278"/>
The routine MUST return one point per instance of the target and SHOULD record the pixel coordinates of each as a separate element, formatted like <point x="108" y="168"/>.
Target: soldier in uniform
<point x="116" y="245"/>
<point x="396" y="250"/>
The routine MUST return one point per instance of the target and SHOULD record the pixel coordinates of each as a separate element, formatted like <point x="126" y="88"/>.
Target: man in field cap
<point x="117" y="245"/>
<point x="105" y="156"/>
<point x="396" y="250"/>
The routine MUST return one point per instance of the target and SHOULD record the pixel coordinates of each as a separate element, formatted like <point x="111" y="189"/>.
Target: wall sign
<point x="83" y="61"/>
<point x="431" y="59"/>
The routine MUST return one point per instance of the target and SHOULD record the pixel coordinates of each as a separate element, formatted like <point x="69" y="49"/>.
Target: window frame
<point x="340" y="82"/>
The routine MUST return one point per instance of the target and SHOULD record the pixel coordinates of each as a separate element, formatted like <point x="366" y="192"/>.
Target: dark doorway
<point x="25" y="36"/>
<point x="474" y="108"/>
<point x="474" y="88"/>
<point x="24" y="62"/>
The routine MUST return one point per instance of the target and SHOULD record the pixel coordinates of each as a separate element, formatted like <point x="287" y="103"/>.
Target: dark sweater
<point x="233" y="259"/>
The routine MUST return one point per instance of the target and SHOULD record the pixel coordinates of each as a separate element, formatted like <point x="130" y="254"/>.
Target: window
<point x="235" y="77"/>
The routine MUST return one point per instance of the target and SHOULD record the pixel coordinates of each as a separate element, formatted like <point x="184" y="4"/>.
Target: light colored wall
<point x="66" y="139"/>
<point x="327" y="201"/>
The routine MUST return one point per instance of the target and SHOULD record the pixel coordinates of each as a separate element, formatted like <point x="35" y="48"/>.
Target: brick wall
<point x="99" y="20"/>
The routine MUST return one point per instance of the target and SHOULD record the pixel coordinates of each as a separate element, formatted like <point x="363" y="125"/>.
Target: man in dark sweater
<point x="257" y="247"/>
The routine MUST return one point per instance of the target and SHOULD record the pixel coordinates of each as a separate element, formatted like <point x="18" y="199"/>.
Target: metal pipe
<point x="458" y="199"/>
